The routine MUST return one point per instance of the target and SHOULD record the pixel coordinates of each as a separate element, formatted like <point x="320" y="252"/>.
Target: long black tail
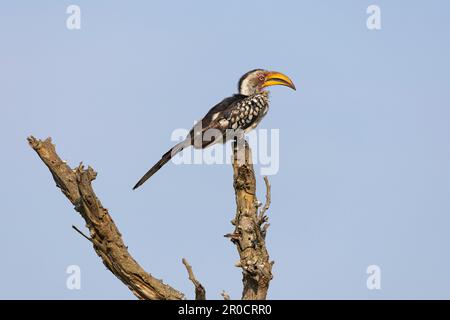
<point x="164" y="159"/>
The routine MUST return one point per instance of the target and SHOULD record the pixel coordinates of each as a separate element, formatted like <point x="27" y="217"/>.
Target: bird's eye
<point x="261" y="77"/>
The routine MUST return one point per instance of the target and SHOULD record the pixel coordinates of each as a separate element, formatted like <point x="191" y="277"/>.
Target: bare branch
<point x="81" y="233"/>
<point x="200" y="293"/>
<point x="225" y="295"/>
<point x="248" y="235"/>
<point x="105" y="237"/>
<point x="262" y="217"/>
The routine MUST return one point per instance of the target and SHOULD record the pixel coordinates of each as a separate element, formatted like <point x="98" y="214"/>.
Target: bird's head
<point x="256" y="80"/>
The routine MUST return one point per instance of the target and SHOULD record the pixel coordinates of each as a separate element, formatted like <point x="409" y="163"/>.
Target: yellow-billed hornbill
<point x="242" y="111"/>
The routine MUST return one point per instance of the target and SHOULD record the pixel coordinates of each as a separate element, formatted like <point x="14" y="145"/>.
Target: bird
<point x="241" y="111"/>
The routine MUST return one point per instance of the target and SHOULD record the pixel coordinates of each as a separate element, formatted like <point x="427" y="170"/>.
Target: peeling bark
<point x="250" y="228"/>
<point x="249" y="235"/>
<point x="104" y="235"/>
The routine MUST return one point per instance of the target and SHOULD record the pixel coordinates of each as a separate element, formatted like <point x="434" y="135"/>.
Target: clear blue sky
<point x="364" y="161"/>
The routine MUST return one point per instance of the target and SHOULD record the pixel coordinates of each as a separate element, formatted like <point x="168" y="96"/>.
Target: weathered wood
<point x="250" y="227"/>
<point x="249" y="235"/>
<point x="104" y="234"/>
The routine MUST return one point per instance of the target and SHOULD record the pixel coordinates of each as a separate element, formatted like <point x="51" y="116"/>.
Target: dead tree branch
<point x="200" y="293"/>
<point x="104" y="235"/>
<point x="250" y="228"/>
<point x="225" y="295"/>
<point x="262" y="214"/>
<point x="82" y="234"/>
<point x="248" y="236"/>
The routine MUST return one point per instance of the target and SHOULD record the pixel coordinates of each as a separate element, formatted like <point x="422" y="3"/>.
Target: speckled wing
<point x="216" y="118"/>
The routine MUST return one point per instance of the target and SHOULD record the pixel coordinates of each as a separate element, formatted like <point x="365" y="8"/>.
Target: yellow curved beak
<point x="274" y="78"/>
